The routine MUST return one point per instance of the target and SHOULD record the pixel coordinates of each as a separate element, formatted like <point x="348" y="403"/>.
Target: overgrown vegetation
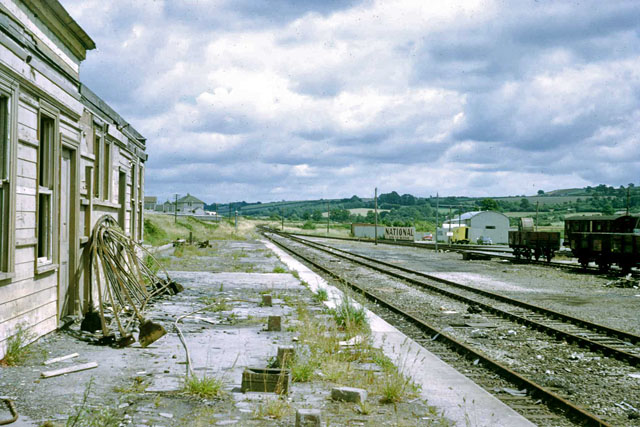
<point x="321" y="295"/>
<point x="322" y="357"/>
<point x="161" y="228"/>
<point x="275" y="409"/>
<point x="205" y="387"/>
<point x="349" y="317"/>
<point x="17" y="348"/>
<point x="85" y="416"/>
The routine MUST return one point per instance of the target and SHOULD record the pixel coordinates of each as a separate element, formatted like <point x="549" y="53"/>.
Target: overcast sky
<point x="291" y="99"/>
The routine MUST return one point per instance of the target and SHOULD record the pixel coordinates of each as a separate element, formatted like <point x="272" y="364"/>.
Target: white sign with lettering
<point x="399" y="233"/>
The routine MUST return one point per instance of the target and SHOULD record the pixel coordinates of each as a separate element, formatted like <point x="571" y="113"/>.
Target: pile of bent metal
<point x="124" y="285"/>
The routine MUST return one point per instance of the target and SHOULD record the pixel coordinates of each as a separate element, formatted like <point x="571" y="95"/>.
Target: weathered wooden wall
<point x="29" y="291"/>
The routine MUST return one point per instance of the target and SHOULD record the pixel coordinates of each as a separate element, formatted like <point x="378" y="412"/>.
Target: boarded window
<point x="45" y="188"/>
<point x="490" y="227"/>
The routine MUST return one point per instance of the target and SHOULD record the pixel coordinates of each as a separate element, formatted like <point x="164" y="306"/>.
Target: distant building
<point x="494" y="225"/>
<point x="190" y="204"/>
<point x="150" y="203"/>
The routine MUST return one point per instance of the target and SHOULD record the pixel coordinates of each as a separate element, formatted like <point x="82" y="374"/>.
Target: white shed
<point x="494" y="225"/>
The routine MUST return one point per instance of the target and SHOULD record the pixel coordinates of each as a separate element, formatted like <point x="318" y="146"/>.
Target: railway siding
<point x="528" y="351"/>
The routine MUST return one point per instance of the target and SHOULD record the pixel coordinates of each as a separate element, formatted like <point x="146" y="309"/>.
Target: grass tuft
<point x="205" y="387"/>
<point x="321" y="295"/>
<point x="278" y="269"/>
<point x="350" y="318"/>
<point x="17" y="349"/>
<point x="272" y="408"/>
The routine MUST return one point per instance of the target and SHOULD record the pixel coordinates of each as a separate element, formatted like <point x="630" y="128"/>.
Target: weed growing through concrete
<point x="295" y="274"/>
<point x="279" y="269"/>
<point x="85" y="416"/>
<point x="272" y="408"/>
<point x="350" y="318"/>
<point x="215" y="304"/>
<point x="321" y="295"/>
<point x="17" y="349"/>
<point x="138" y="386"/>
<point x="206" y="387"/>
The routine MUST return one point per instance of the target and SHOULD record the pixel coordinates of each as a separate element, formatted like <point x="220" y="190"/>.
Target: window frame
<point x="46" y="185"/>
<point x="8" y="91"/>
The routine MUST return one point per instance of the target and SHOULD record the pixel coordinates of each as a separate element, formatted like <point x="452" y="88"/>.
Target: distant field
<point x="543" y="200"/>
<point x="363" y="211"/>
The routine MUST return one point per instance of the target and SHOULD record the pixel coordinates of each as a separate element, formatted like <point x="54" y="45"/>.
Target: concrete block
<point x="266" y="380"/>
<point x="266" y="301"/>
<point x="309" y="418"/>
<point x="274" y="323"/>
<point x="285" y="355"/>
<point x="349" y="394"/>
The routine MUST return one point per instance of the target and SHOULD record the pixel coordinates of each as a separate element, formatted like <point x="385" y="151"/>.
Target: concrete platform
<point x="460" y="399"/>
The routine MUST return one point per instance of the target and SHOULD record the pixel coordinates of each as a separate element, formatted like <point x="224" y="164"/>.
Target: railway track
<point x="492" y="251"/>
<point x="613" y="343"/>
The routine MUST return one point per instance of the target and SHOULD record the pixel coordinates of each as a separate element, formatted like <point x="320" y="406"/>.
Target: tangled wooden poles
<point x="125" y="284"/>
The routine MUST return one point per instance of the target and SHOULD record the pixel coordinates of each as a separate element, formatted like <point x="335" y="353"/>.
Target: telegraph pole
<point x="375" y="206"/>
<point x="236" y="225"/>
<point x="450" y="217"/>
<point x="437" y="209"/>
<point x="175" y="211"/>
<point x="537" y="203"/>
<point x="328" y="217"/>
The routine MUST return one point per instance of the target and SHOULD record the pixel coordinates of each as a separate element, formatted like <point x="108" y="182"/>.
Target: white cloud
<point x="251" y="99"/>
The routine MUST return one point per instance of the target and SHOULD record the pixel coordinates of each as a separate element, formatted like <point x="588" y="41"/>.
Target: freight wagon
<point x="605" y="240"/>
<point x="528" y="243"/>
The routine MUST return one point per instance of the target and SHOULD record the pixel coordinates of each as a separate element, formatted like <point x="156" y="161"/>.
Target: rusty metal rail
<point x="552" y="399"/>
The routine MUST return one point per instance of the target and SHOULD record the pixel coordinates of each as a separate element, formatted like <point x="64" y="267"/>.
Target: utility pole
<point x="537" y="204"/>
<point x="628" y="198"/>
<point x="437" y="209"/>
<point x="450" y="217"/>
<point x="282" y="215"/>
<point x="328" y="217"/>
<point x="375" y="206"/>
<point x="175" y="211"/>
<point x="236" y="225"/>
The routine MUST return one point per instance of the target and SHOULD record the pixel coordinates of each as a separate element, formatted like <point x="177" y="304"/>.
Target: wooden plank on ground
<point x="69" y="370"/>
<point x="61" y="358"/>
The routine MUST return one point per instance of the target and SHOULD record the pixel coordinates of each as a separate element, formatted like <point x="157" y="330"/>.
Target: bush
<point x="308" y="225"/>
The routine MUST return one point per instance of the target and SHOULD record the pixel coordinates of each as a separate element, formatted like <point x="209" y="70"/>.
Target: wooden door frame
<point x="74" y="224"/>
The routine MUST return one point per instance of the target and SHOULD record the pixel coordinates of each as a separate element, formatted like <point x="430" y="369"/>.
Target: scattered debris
<point x="353" y="341"/>
<point x="61" y="358"/>
<point x="513" y="391"/>
<point x="266" y="380"/>
<point x="624" y="282"/>
<point x="474" y="309"/>
<point x="266" y="300"/>
<point x="69" y="370"/>
<point x="274" y="323"/>
<point x="128" y="286"/>
<point x="349" y="394"/>
<point x="624" y="405"/>
<point x="12" y="411"/>
<point x="309" y="418"/>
